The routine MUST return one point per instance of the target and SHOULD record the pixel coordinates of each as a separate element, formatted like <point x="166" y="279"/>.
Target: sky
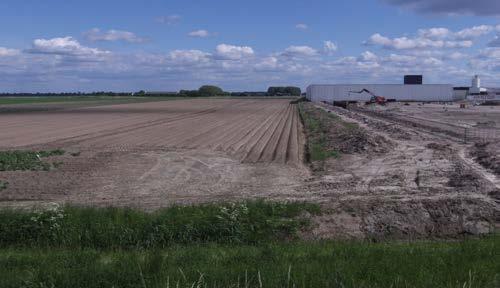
<point x="154" y="45"/>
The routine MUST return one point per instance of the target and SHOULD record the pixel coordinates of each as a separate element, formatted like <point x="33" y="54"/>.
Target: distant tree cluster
<point x="204" y="91"/>
<point x="284" y="91"/>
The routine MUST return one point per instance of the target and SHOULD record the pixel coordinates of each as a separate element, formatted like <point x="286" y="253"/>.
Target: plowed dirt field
<point x="153" y="154"/>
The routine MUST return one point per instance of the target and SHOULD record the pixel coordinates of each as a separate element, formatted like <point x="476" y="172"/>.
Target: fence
<point x="481" y="134"/>
<point x="464" y="132"/>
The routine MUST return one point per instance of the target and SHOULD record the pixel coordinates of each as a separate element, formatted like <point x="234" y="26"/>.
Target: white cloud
<point x="231" y="52"/>
<point x="113" y="35"/>
<point x="451" y="7"/>
<point x="368" y="56"/>
<point x="474" y="32"/>
<point x="433" y="38"/>
<point x="268" y="63"/>
<point x="4" y="52"/>
<point x="169" y="20"/>
<point x="301" y="26"/>
<point x="495" y="42"/>
<point x="300" y="51"/>
<point x="64" y="46"/>
<point x="199" y="33"/>
<point x="464" y="34"/>
<point x="329" y="47"/>
<point x="403" y="43"/>
<point x="189" y="56"/>
<point x="435" y="33"/>
<point x="455" y="56"/>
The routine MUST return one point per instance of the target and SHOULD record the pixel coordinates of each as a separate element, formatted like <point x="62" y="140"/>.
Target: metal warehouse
<point x="397" y="92"/>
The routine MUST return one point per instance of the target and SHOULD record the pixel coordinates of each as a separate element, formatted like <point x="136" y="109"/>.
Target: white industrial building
<point x="394" y="92"/>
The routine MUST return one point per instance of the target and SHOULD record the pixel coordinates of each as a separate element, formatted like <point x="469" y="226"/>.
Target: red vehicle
<point x="374" y="99"/>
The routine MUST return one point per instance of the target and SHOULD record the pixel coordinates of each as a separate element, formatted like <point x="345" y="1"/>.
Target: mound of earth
<point x="487" y="154"/>
<point x="346" y="137"/>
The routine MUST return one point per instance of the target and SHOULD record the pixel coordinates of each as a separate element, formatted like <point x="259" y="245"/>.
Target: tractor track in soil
<point x="154" y="154"/>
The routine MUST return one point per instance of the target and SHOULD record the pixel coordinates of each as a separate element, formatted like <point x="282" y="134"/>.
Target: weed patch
<point x="26" y="160"/>
<point x="3" y="185"/>
<point x="247" y="222"/>
<point x="329" y="136"/>
<point x="317" y="135"/>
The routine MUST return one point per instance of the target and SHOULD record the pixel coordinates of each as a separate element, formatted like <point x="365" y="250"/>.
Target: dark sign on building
<point x="413" y="80"/>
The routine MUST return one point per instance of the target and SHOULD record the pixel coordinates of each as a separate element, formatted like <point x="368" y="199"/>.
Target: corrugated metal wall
<point x="329" y="93"/>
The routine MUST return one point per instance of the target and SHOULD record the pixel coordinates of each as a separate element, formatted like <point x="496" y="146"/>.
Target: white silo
<point x="476" y="85"/>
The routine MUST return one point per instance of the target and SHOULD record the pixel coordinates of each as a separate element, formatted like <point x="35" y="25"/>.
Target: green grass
<point x="470" y="264"/>
<point x="250" y="244"/>
<point x="3" y="185"/>
<point x="109" y="99"/>
<point x="83" y="99"/>
<point x="317" y="134"/>
<point x="105" y="228"/>
<point x="26" y="160"/>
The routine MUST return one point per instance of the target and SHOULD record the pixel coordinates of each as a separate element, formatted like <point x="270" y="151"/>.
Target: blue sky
<point x="243" y="45"/>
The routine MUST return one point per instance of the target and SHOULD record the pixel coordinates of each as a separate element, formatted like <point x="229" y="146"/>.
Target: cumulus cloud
<point x="231" y="52"/>
<point x="403" y="43"/>
<point x="434" y="33"/>
<point x="464" y="34"/>
<point x="64" y="46"/>
<point x="4" y="52"/>
<point x="268" y="63"/>
<point x="477" y="7"/>
<point x="301" y="26"/>
<point x="300" y="51"/>
<point x="96" y="34"/>
<point x="189" y="56"/>
<point x="329" y="47"/>
<point x="169" y="20"/>
<point x="474" y="32"/>
<point x="367" y="56"/>
<point x="199" y="33"/>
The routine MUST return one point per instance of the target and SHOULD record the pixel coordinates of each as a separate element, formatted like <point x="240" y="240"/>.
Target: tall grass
<point x="470" y="264"/>
<point x="102" y="228"/>
<point x="317" y="134"/>
<point x="3" y="184"/>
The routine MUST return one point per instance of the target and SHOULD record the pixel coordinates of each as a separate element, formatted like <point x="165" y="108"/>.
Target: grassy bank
<point x="250" y="244"/>
<point x="472" y="263"/>
<point x="316" y="125"/>
<point x="117" y="228"/>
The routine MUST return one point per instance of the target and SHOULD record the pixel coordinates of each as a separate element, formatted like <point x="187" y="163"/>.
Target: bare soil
<point x="422" y="186"/>
<point x="392" y="180"/>
<point x="151" y="155"/>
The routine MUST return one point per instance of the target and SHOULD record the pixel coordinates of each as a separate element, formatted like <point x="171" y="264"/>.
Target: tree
<point x="293" y="91"/>
<point x="140" y="93"/>
<point x="209" y="90"/>
<point x="284" y="91"/>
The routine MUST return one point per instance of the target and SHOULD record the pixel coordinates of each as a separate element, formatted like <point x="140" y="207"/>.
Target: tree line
<point x="203" y="91"/>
